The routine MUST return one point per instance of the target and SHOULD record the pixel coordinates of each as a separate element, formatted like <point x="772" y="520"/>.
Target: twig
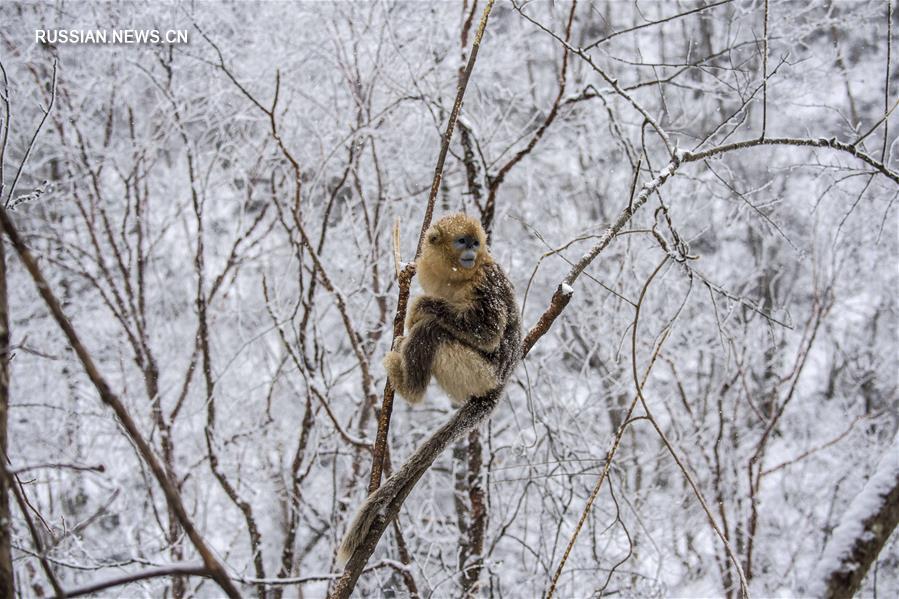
<point x="37" y="131"/>
<point x="874" y="127"/>
<point x="616" y="442"/>
<point x="602" y="40"/>
<point x="395" y="238"/>
<point x="818" y="448"/>
<point x="765" y="76"/>
<point x="58" y="466"/>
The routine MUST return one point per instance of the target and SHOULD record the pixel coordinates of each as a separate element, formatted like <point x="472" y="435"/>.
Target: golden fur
<point x="437" y="268"/>
<point x="462" y="373"/>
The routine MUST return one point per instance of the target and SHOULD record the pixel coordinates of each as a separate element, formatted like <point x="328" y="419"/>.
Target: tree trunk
<point x="7" y="580"/>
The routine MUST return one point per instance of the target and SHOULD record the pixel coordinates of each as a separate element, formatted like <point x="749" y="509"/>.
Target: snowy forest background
<point x="229" y="267"/>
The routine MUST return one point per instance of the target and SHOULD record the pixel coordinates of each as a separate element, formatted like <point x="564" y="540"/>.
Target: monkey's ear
<point x="434" y="234"/>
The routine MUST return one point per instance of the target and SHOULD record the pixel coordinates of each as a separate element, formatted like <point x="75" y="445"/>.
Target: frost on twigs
<point x="215" y="221"/>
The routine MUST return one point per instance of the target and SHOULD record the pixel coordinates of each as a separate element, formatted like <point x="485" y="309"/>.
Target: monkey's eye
<point x="477" y="243"/>
<point x="460" y="242"/>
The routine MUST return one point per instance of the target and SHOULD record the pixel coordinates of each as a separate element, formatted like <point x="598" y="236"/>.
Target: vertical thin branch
<point x="765" y="75"/>
<point x="7" y="118"/>
<point x="295" y="492"/>
<point x="202" y="306"/>
<point x="886" y="81"/>
<point x="405" y="278"/>
<point x="471" y="572"/>
<point x="406" y="560"/>
<point x="8" y="481"/>
<point x="494" y="182"/>
<point x="202" y="342"/>
<point x="451" y="125"/>
<point x="7" y="576"/>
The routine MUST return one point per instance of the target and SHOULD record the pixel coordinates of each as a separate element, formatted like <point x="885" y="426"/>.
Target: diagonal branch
<point x="111" y="399"/>
<point x="866" y="526"/>
<point x="37" y="131"/>
<point x="564" y="291"/>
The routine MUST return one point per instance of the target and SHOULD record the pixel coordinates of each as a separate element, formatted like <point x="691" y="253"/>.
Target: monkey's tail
<point x="383" y="505"/>
<point x="360" y="526"/>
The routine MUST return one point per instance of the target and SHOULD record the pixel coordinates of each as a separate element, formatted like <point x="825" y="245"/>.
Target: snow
<point x="852" y="525"/>
<point x="366" y="89"/>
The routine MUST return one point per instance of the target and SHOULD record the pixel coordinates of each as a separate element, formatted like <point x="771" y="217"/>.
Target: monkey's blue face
<point x="468" y="247"/>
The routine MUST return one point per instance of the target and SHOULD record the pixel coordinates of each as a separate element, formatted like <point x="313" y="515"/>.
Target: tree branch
<point x="107" y="396"/>
<point x="864" y="529"/>
<point x="174" y="570"/>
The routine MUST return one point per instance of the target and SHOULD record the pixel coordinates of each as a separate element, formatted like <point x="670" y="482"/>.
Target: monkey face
<point x="453" y="256"/>
<point x="467" y="248"/>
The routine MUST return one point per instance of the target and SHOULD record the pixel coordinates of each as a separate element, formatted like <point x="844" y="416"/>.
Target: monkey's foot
<point x="393" y="364"/>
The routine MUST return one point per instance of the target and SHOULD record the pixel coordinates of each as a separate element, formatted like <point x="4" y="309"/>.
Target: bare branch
<point x="37" y="132"/>
<point x="173" y="498"/>
<point x="173" y="570"/>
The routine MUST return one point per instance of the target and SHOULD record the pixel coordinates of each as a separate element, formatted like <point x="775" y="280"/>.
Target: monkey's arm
<point x="481" y="325"/>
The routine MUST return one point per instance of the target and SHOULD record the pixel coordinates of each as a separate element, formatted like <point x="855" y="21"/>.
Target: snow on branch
<point x="864" y="529"/>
